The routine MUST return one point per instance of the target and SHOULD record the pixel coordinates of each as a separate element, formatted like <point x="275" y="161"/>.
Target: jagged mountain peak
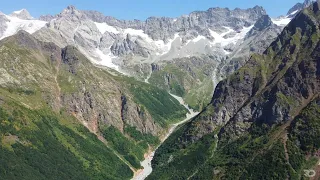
<point x="71" y="11"/>
<point x="22" y="14"/>
<point x="71" y="7"/>
<point x="256" y="8"/>
<point x="20" y="11"/>
<point x="284" y="20"/>
<point x="299" y="6"/>
<point x="95" y="16"/>
<point x="263" y="22"/>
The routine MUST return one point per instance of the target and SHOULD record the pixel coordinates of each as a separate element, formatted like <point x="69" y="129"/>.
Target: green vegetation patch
<point x="45" y="149"/>
<point x="162" y="106"/>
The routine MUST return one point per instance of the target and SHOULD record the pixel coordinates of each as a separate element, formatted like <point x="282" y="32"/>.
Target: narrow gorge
<point x="146" y="164"/>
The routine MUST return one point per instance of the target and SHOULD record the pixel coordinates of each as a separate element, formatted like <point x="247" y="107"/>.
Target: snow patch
<point x="104" y="27"/>
<point x="198" y="39"/>
<point x="18" y="12"/>
<point x="135" y="32"/>
<point x="106" y="60"/>
<point x="226" y="52"/>
<point x="282" y="21"/>
<point x="167" y="47"/>
<point x="219" y="38"/>
<point x="15" y="24"/>
<point x="294" y="12"/>
<point x="160" y="46"/>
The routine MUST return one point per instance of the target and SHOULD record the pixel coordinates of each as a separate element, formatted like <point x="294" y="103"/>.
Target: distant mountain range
<point x="112" y="42"/>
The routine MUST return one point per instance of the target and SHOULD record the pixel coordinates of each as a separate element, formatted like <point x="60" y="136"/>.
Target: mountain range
<point x="227" y="36"/>
<point x="94" y="94"/>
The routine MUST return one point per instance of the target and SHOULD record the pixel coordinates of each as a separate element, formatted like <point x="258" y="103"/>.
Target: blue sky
<point x="141" y="9"/>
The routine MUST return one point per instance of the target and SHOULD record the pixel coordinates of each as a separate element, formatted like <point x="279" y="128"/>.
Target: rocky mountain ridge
<point x="155" y="39"/>
<point x="255" y="114"/>
<point x="229" y="36"/>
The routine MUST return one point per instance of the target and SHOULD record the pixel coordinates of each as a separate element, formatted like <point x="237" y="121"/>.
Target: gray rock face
<point x="256" y="40"/>
<point x="262" y="23"/>
<point x="128" y="46"/>
<point x="69" y="59"/>
<point x="71" y="27"/>
<point x="100" y="18"/>
<point x="154" y="39"/>
<point x="123" y="44"/>
<point x="228" y="35"/>
<point x="164" y="28"/>
<point x="47" y="18"/>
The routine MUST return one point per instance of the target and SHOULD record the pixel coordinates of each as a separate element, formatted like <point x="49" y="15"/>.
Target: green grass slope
<point x="190" y="78"/>
<point x="40" y="144"/>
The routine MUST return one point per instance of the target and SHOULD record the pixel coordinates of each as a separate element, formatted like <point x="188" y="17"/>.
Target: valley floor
<point x="146" y="164"/>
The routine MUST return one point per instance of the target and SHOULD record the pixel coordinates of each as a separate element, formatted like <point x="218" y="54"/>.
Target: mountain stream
<point x="146" y="163"/>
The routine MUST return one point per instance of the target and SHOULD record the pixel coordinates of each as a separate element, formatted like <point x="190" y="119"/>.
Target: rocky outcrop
<point x="47" y="18"/>
<point x="164" y="28"/>
<point x="155" y="67"/>
<point x="71" y="27"/>
<point x="89" y="103"/>
<point x="262" y="23"/>
<point x="129" y="46"/>
<point x="71" y="60"/>
<point x="256" y="40"/>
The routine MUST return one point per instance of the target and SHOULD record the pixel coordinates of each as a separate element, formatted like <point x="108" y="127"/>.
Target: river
<point x="146" y="164"/>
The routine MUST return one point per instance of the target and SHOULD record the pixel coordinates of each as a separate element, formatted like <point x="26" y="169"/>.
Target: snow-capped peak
<point x="22" y="14"/>
<point x="298" y="7"/>
<point x="104" y="27"/>
<point x="71" y="10"/>
<point x="282" y="21"/>
<point x="20" y="20"/>
<point x="18" y="12"/>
